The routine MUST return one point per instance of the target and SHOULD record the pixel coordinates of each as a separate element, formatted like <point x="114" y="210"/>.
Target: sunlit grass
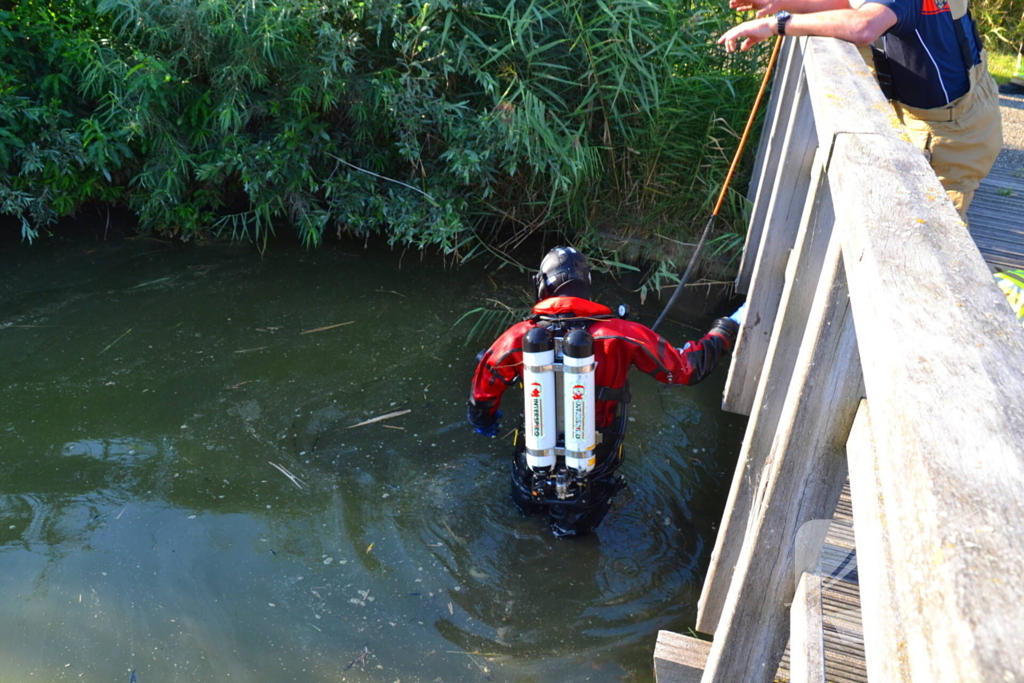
<point x="1002" y="65"/>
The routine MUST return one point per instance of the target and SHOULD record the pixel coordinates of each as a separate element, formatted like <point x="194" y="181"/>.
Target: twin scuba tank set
<point x="559" y="408"/>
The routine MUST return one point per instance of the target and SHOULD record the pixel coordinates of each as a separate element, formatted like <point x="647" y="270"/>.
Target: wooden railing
<point x="876" y="347"/>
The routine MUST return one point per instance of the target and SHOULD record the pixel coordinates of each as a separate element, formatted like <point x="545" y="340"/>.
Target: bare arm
<point x="766" y="7"/>
<point x="859" y="26"/>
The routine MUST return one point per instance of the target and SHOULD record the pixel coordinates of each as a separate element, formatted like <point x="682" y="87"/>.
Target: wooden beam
<point x="679" y="659"/>
<point x="844" y="95"/>
<point x="884" y="639"/>
<point x="790" y="188"/>
<point x="942" y="360"/>
<point x="797" y="295"/>
<point x="803" y="483"/>
<point x="806" y="632"/>
<point x="770" y="114"/>
<point x="780" y="104"/>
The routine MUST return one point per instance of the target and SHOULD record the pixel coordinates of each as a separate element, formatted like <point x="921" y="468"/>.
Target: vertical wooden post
<point x="769" y="152"/>
<point x="885" y="642"/>
<point x="797" y="296"/>
<point x="769" y="149"/>
<point x="942" y="367"/>
<point x="792" y="182"/>
<point x="935" y="462"/>
<point x="803" y="483"/>
<point x="806" y="632"/>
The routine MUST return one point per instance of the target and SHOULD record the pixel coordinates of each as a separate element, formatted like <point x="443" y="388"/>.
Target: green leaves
<point x="420" y="121"/>
<point x="999" y="23"/>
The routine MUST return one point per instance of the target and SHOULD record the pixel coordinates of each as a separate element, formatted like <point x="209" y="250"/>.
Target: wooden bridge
<point x="876" y="352"/>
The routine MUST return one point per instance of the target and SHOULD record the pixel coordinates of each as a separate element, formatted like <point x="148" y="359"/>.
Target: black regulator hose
<point x="725" y="186"/>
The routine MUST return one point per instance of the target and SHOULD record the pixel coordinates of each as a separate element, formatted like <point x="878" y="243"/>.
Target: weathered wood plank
<point x="784" y="86"/>
<point x="1011" y="235"/>
<point x="771" y="112"/>
<point x="845" y="96"/>
<point x="884" y="640"/>
<point x="942" y="369"/>
<point x="1001" y="177"/>
<point x="797" y="295"/>
<point x="803" y="483"/>
<point x="807" y="636"/>
<point x="789" y="194"/>
<point x="678" y="658"/>
<point x="840" y="603"/>
<point x="1000" y="245"/>
<point x="995" y="220"/>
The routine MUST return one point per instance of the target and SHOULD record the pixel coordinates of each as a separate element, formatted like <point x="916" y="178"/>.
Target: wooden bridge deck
<point x="842" y="629"/>
<point x="996" y="216"/>
<point x="829" y="399"/>
<point x="997" y="219"/>
<point x="997" y="225"/>
<point x="681" y="660"/>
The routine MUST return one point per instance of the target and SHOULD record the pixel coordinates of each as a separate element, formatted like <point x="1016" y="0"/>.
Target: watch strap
<point x="781" y="19"/>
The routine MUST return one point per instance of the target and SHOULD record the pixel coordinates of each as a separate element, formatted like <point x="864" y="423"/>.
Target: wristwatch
<point x="782" y="18"/>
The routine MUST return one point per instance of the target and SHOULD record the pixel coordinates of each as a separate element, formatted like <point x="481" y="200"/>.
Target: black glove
<point x="727" y="328"/>
<point x="480" y="415"/>
<point x="491" y="430"/>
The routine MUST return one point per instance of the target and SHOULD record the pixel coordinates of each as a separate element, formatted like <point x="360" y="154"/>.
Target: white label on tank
<point x="579" y="404"/>
<point x="537" y="409"/>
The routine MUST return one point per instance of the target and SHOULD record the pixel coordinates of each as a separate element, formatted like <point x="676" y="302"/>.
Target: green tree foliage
<point x="415" y="120"/>
<point x="45" y="170"/>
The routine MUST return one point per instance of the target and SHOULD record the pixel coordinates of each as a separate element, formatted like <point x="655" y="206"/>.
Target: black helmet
<point x="563" y="272"/>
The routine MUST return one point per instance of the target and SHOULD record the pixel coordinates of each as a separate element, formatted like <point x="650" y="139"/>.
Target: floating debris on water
<point x="328" y="327"/>
<point x="386" y="416"/>
<point x="291" y="477"/>
<point x="360" y="659"/>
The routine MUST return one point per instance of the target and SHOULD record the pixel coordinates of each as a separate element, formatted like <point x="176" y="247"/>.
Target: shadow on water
<point x="156" y="398"/>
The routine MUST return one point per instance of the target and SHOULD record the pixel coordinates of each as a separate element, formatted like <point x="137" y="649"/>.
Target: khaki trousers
<point x="961" y="140"/>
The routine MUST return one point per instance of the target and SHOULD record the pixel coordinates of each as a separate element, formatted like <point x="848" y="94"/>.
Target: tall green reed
<point x="451" y="124"/>
<point x="1000" y="23"/>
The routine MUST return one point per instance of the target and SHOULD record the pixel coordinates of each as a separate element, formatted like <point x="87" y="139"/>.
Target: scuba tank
<point x="579" y="399"/>
<point x="559" y="406"/>
<point x="568" y="470"/>
<point x="539" y="400"/>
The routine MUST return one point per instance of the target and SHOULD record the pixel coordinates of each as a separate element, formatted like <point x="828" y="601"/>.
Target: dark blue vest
<point x="925" y="59"/>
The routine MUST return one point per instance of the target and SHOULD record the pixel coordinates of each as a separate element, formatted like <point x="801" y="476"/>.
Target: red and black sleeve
<point x="632" y="343"/>
<point x="497" y="369"/>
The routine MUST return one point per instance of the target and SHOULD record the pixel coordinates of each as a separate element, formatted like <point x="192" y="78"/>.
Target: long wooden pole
<point x="725" y="185"/>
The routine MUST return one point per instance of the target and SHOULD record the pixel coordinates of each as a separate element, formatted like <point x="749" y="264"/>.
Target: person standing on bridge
<point x="930" y="64"/>
<point x="573" y="356"/>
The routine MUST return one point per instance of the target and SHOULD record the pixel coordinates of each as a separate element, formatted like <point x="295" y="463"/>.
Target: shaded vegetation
<point x="432" y="123"/>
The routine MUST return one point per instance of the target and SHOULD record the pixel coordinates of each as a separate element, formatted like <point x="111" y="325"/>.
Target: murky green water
<point x="148" y="392"/>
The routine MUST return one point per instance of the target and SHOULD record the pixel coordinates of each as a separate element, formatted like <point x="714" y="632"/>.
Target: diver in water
<point x="573" y="356"/>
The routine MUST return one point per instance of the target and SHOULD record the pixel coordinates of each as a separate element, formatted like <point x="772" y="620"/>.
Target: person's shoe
<point x="1011" y="88"/>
